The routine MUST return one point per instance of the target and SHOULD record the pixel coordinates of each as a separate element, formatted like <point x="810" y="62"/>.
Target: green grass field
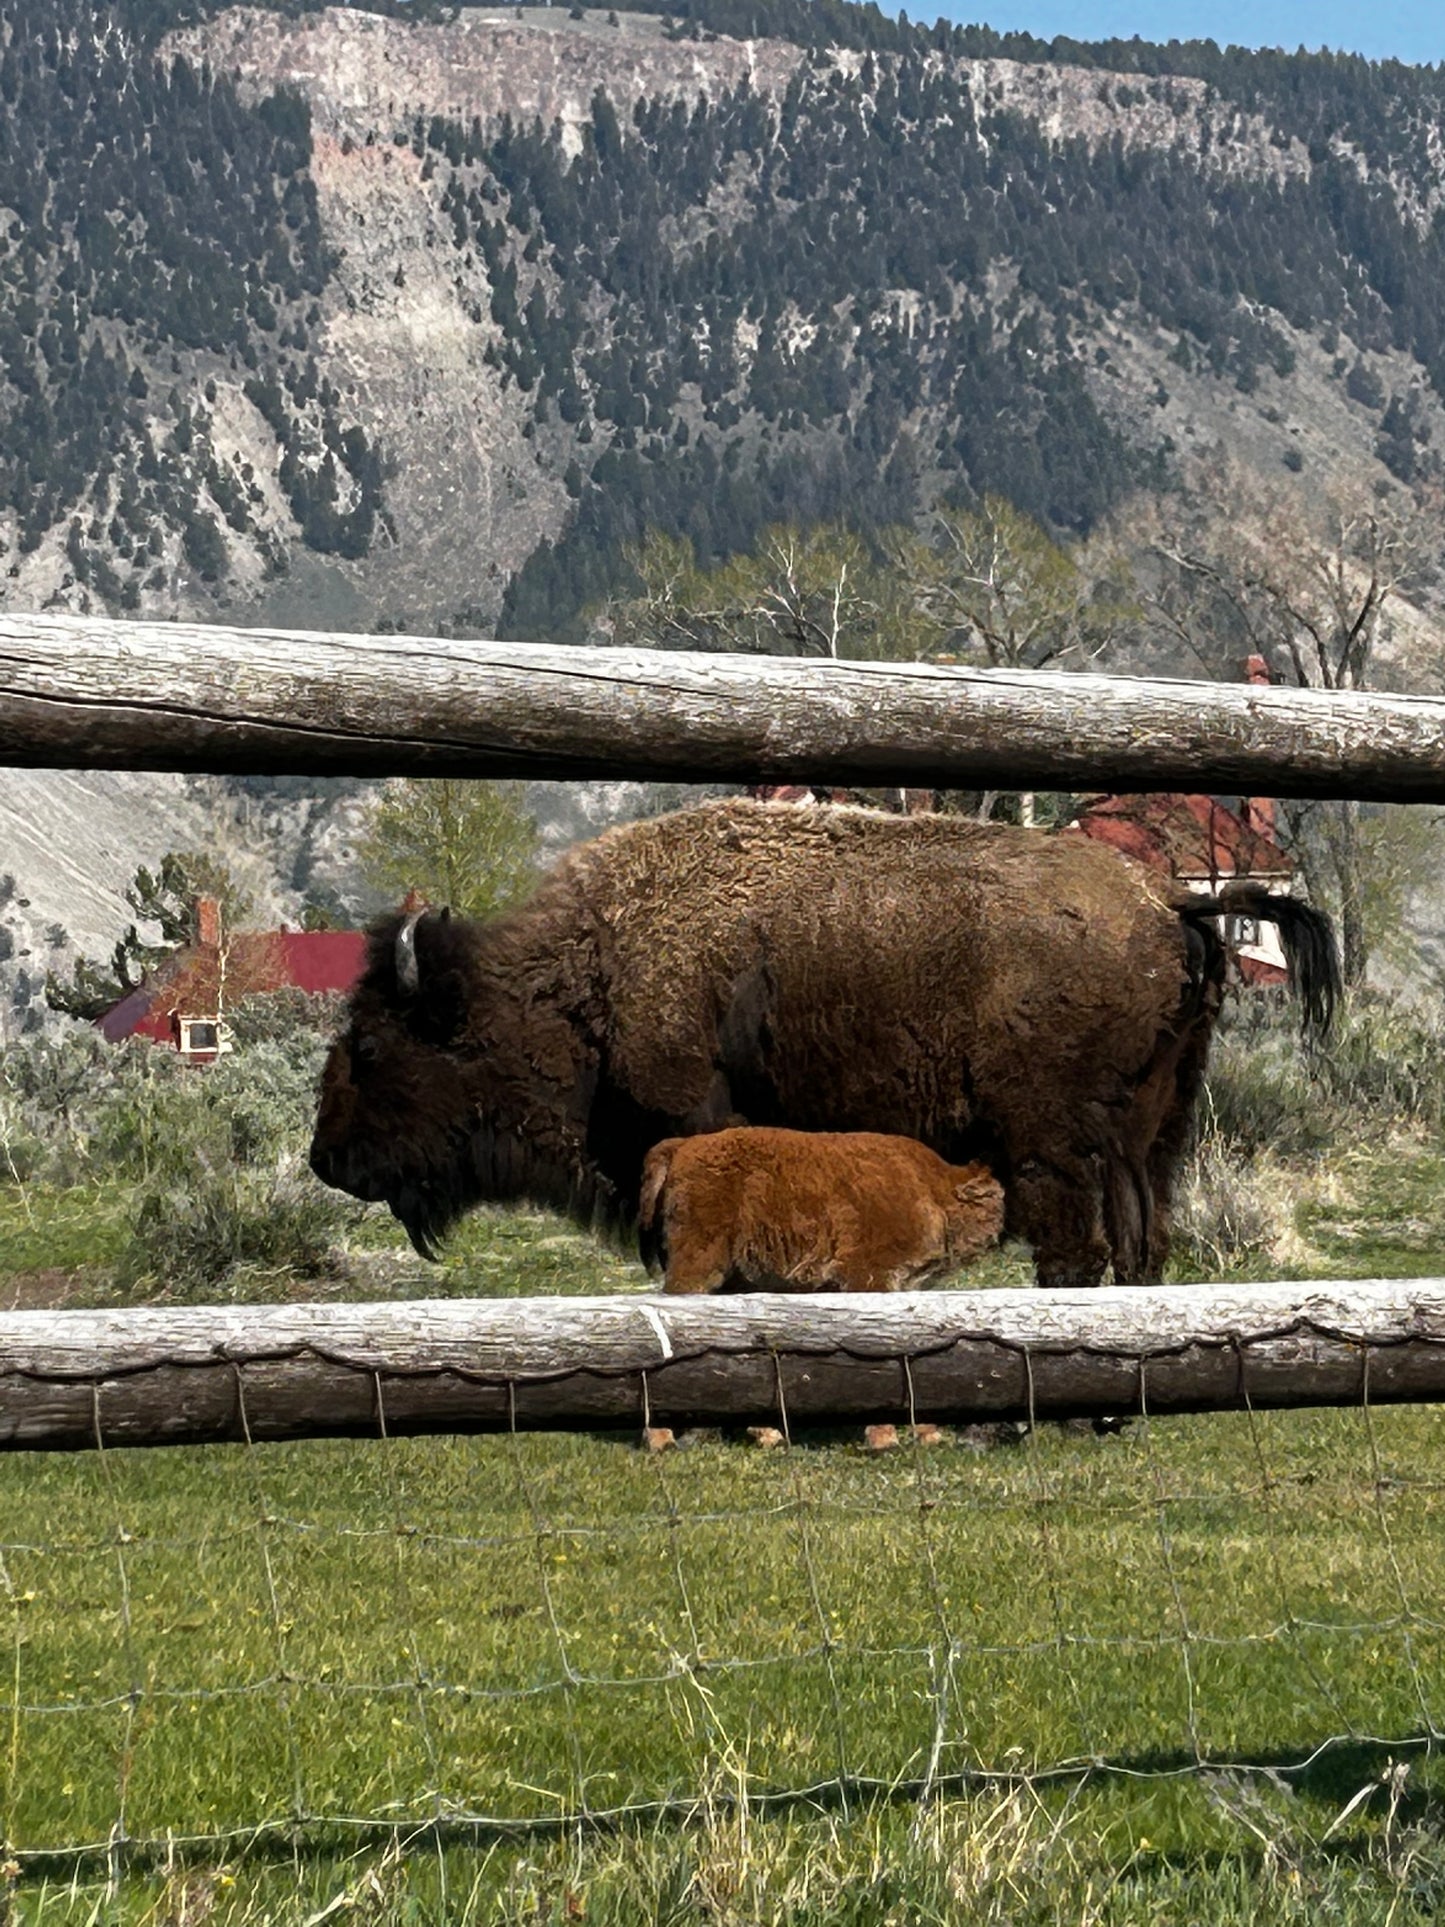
<point x="1135" y="1678"/>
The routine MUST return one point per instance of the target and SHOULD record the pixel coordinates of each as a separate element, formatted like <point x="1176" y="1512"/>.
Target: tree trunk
<point x="1342" y="833"/>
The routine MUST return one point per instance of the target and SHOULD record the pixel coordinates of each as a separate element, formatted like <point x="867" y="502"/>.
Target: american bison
<point x="1039" y="1003"/>
<point x="770" y="1210"/>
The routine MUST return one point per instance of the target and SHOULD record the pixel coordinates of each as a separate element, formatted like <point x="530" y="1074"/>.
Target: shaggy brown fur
<point x="1038" y="1002"/>
<point x="770" y="1210"/>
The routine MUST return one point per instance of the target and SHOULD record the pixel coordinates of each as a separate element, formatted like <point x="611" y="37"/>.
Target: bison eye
<point x="365" y="1053"/>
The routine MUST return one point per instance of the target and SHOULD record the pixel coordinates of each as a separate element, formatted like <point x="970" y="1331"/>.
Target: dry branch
<point x="162" y="1375"/>
<point x="96" y="694"/>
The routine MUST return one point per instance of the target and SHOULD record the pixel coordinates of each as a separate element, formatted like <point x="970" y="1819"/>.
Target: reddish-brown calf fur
<point x="774" y="1210"/>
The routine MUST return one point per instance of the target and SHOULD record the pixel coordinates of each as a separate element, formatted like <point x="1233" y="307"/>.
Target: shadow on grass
<point x="1329" y="1778"/>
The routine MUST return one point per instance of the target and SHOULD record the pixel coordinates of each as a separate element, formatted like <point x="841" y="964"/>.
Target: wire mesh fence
<point x="454" y="1637"/>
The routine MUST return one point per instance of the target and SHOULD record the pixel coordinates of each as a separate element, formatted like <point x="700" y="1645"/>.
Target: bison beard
<point x="1038" y="1002"/>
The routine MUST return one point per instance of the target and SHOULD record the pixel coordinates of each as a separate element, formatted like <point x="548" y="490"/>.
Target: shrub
<point x="189" y="1237"/>
<point x="1224" y="1206"/>
<point x="1387" y="1059"/>
<point x="23" y="1153"/>
<point x="1261" y="1092"/>
<point x="1384" y="1064"/>
<point x="83" y="1108"/>
<point x="287" y="1016"/>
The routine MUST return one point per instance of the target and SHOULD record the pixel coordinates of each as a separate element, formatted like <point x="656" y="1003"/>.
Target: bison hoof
<point x="767" y="1436"/>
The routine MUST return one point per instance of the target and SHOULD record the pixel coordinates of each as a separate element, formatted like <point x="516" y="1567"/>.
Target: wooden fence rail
<point x="99" y="694"/>
<point x="165" y="1375"/>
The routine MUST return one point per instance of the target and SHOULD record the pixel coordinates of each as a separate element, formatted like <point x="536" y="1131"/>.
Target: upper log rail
<point x="91" y="693"/>
<point x="176" y="1375"/>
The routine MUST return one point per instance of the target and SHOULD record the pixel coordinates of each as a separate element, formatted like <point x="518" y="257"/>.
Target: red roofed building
<point x="185" y="1002"/>
<point x="1203" y="843"/>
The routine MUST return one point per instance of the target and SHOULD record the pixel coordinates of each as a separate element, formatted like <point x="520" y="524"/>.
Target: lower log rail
<point x="161" y="1375"/>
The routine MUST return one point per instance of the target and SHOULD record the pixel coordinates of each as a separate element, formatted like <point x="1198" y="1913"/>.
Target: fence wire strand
<point x="1387" y="1537"/>
<point x="1045" y="1498"/>
<point x="1292" y="1625"/>
<point x="135" y="1691"/>
<point x="569" y="1682"/>
<point x="285" y="1693"/>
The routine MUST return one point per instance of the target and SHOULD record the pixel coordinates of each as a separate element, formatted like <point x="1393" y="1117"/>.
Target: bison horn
<point x="408" y="976"/>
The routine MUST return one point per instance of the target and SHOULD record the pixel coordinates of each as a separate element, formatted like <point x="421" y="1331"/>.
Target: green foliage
<point x="213" y="1156"/>
<point x="468" y="845"/>
<point x="1400" y="851"/>
<point x="169" y="896"/>
<point x="289" y="1016"/>
<point x="82" y="1109"/>
<point x="1383" y="1067"/>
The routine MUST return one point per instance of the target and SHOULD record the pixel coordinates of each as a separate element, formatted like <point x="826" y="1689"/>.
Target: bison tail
<point x="1306" y="934"/>
<point x="651" y="1232"/>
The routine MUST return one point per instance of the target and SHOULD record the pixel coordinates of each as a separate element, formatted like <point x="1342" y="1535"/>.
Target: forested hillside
<point x="443" y="308"/>
<point x="154" y="226"/>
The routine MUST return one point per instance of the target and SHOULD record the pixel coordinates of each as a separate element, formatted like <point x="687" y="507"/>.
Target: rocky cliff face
<point x="364" y="74"/>
<point x="404" y="330"/>
<point x="475" y="484"/>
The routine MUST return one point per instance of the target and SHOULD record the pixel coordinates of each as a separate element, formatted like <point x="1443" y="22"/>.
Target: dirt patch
<point x="47" y="1289"/>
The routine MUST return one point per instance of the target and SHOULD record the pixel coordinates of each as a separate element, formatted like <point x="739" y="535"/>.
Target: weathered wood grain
<point x="90" y="693"/>
<point x="163" y="1375"/>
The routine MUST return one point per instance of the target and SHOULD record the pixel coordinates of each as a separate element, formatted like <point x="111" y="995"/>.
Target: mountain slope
<point x="351" y="318"/>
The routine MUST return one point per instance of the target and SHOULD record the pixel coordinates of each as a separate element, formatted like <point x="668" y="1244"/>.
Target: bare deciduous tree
<point x="818" y="592"/>
<point x="991" y="585"/>
<point x="994" y="586"/>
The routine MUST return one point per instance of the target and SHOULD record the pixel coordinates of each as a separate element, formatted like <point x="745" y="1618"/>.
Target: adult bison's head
<point x="395" y="1108"/>
<point x="461" y="1074"/>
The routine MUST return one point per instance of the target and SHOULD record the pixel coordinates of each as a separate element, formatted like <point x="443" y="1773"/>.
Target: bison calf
<point x="774" y="1210"/>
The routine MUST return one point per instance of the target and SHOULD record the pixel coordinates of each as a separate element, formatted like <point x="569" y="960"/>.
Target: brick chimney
<point x="1257" y="812"/>
<point x="208" y="923"/>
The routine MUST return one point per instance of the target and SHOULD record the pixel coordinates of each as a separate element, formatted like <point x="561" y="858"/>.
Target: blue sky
<point x="1412" y="30"/>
